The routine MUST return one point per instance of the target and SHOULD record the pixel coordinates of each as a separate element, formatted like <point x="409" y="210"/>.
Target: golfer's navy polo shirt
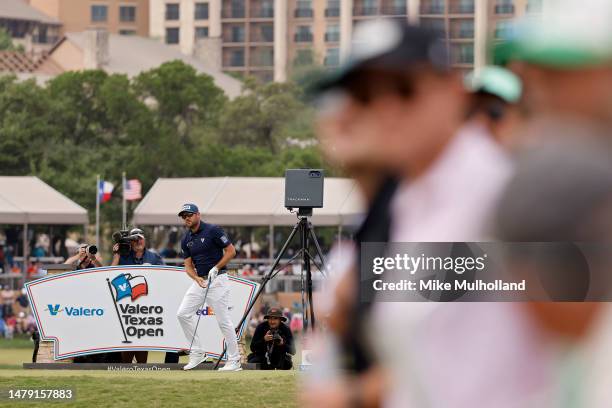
<point x="205" y="247"/>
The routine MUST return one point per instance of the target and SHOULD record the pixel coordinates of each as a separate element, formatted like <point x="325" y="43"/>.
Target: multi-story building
<point x="27" y="26"/>
<point x="269" y="38"/>
<point x="127" y="17"/>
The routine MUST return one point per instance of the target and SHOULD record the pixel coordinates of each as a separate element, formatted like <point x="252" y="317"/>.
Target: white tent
<point x="245" y="201"/>
<point x="27" y="200"/>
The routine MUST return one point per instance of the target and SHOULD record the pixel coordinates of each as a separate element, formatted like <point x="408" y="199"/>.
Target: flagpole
<point x="98" y="210"/>
<point x="124" y="209"/>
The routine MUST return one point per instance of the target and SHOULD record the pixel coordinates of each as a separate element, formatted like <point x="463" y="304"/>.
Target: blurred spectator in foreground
<point x="493" y="106"/>
<point x="544" y="354"/>
<point x="401" y="114"/>
<point x="564" y="60"/>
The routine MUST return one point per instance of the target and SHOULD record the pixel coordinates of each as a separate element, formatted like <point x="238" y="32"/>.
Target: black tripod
<point x="307" y="235"/>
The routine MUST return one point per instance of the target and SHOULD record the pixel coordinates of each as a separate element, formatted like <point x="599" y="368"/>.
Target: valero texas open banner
<point x="119" y="308"/>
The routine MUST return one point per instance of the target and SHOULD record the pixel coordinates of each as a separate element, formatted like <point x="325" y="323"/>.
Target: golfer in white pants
<point x="207" y="249"/>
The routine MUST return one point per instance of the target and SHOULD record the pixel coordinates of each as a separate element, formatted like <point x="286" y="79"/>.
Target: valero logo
<point x="74" y="311"/>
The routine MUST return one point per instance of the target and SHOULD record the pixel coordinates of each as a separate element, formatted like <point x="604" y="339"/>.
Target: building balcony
<point x="504" y="9"/>
<point x="433" y="9"/>
<point x="303" y="13"/>
<point x="303" y="37"/>
<point x="394" y="10"/>
<point x="262" y="13"/>
<point x="461" y="7"/>
<point x="365" y="11"/>
<point x="332" y="12"/>
<point x="234" y="13"/>
<point x="332" y="37"/>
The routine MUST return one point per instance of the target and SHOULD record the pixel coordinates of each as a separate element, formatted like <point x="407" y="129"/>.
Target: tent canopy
<point x="244" y="201"/>
<point x="28" y="200"/>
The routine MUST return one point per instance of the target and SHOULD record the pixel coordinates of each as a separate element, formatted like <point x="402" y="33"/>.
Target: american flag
<point x="132" y="190"/>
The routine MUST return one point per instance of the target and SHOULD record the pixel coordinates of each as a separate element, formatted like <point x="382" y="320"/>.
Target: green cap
<point x="573" y="34"/>
<point x="496" y="81"/>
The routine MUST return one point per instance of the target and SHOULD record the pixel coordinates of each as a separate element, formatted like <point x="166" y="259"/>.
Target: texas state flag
<point x="105" y="189"/>
<point x="127" y="285"/>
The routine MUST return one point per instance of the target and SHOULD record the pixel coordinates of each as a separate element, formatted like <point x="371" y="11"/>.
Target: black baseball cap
<point x="188" y="208"/>
<point x="388" y="45"/>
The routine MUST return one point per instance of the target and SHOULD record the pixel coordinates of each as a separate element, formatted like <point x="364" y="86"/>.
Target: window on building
<point x="462" y="28"/>
<point x="303" y="34"/>
<point x="264" y="57"/>
<point x="333" y="8"/>
<point x="172" y="11"/>
<point x="304" y="8"/>
<point x="463" y="53"/>
<point x="267" y="33"/>
<point x="332" y="33"/>
<point x="237" y="58"/>
<point x="99" y="13"/>
<point x="504" y="7"/>
<point x="172" y="35"/>
<point x="463" y="6"/>
<point x="127" y="32"/>
<point x="238" y="34"/>
<point x="332" y="57"/>
<point x="432" y="6"/>
<point x="303" y="57"/>
<point x="201" y="11"/>
<point x="267" y="9"/>
<point x="127" y="14"/>
<point x="201" y="32"/>
<point x="237" y="9"/>
<point x="502" y="28"/>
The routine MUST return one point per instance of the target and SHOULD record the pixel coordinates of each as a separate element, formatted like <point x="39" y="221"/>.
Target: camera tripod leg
<point x="267" y="277"/>
<point x="304" y="273"/>
<point x="318" y="248"/>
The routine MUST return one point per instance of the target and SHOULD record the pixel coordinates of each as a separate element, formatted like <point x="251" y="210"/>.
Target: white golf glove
<point x="212" y="274"/>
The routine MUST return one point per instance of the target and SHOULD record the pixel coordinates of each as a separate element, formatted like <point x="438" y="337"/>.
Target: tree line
<point x="170" y="121"/>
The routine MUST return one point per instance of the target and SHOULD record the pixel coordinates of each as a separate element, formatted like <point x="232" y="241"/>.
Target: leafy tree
<point x="6" y="42"/>
<point x="264" y="115"/>
<point x="167" y="122"/>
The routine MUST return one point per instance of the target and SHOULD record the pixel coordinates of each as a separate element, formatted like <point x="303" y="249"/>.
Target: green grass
<point x="161" y="389"/>
<point x="151" y="388"/>
<point x="17" y="342"/>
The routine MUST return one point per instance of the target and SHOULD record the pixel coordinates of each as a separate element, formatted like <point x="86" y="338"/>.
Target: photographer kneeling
<point x="272" y="345"/>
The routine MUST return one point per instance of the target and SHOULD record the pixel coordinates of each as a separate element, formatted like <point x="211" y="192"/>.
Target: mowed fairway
<point x="151" y="388"/>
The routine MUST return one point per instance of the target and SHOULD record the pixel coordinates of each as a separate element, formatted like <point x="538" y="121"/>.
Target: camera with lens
<point x="276" y="337"/>
<point x="123" y="238"/>
<point x="91" y="249"/>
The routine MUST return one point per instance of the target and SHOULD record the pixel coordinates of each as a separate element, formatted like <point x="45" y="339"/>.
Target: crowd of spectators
<point x="15" y="314"/>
